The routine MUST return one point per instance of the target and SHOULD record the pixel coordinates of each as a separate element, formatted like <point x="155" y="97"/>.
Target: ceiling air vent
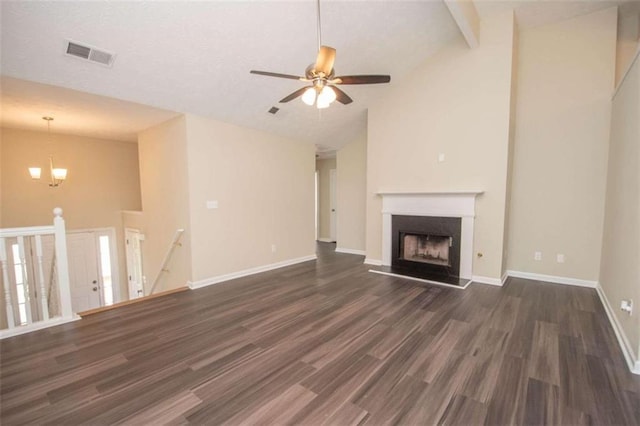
<point x="89" y="53"/>
<point x="273" y="110"/>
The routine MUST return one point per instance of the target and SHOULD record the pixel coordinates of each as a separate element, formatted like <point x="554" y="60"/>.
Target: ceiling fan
<point x="323" y="89"/>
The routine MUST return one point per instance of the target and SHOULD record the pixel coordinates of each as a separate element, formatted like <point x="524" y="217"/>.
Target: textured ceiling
<point x="24" y="103"/>
<point x="195" y="57"/>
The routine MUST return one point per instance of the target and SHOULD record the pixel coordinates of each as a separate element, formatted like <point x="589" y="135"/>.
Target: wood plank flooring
<point x="327" y="342"/>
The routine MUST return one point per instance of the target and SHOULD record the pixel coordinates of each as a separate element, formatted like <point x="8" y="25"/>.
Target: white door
<point x="83" y="271"/>
<point x="332" y="204"/>
<point x="134" y="262"/>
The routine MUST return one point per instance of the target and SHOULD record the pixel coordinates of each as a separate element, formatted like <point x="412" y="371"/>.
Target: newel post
<point x="62" y="263"/>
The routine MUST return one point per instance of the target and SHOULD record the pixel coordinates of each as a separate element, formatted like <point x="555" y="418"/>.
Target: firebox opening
<point x="426" y="248"/>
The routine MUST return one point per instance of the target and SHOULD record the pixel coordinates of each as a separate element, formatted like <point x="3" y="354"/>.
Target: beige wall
<point x="512" y="140"/>
<point x="102" y="180"/>
<point x="458" y="104"/>
<point x="566" y="77"/>
<point x="264" y="188"/>
<point x="620" y="267"/>
<point x="351" y="165"/>
<point x="165" y="202"/>
<point x="323" y="168"/>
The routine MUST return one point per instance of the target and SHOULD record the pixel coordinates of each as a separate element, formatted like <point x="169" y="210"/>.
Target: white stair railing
<point x="32" y="280"/>
<point x="167" y="257"/>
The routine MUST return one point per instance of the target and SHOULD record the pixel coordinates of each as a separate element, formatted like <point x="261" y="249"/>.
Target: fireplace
<point x="426" y="245"/>
<point x="434" y="217"/>
<point x="425" y="248"/>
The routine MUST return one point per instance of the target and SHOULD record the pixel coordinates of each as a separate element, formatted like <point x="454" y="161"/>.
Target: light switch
<point x="440" y="158"/>
<point x="212" y="204"/>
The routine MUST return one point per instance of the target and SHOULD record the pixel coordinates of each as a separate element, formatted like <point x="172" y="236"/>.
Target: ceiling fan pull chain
<point x="319" y="26"/>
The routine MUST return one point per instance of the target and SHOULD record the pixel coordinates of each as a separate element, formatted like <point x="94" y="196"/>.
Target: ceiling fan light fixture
<point x="309" y="96"/>
<point x="327" y="95"/>
<point x="322" y="104"/>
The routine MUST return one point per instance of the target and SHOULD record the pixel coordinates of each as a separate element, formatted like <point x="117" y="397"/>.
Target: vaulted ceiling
<point x="195" y="57"/>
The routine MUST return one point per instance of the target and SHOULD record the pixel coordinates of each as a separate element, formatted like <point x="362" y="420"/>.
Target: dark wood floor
<point x="327" y="342"/>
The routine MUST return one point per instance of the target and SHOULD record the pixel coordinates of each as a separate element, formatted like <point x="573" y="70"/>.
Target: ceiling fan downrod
<point x="319" y="25"/>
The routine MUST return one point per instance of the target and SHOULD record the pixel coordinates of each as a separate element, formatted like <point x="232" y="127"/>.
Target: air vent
<point x="89" y="53"/>
<point x="273" y="110"/>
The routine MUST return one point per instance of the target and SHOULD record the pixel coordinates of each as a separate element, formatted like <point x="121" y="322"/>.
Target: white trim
<point x="391" y="274"/>
<point x="410" y="213"/>
<point x="632" y="361"/>
<point x="553" y="279"/>
<point x="326" y="240"/>
<point x="461" y="192"/>
<point x="26" y="231"/>
<point x="28" y="328"/>
<point x="374" y="262"/>
<point x="350" y="251"/>
<point x="251" y="271"/>
<point x="487" y="280"/>
<point x="133" y="212"/>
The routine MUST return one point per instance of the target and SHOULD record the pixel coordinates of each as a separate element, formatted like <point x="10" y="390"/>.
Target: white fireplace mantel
<point x="432" y="203"/>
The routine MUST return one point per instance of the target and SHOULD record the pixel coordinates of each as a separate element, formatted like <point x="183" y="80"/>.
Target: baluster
<point x="62" y="264"/>
<point x="11" y="321"/>
<point x="25" y="279"/>
<point x="43" y="292"/>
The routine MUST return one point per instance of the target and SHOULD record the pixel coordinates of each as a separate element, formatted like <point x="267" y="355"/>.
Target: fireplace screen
<point x="433" y="249"/>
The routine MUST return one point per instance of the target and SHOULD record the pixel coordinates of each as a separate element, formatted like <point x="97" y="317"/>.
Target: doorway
<point x="93" y="272"/>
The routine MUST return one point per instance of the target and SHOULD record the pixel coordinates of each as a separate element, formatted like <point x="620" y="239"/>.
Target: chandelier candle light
<point x="58" y="175"/>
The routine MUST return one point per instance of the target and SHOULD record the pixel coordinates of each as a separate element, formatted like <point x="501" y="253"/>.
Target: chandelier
<point x="57" y="175"/>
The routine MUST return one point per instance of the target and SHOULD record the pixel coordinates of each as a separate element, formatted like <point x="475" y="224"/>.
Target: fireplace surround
<point x="457" y="205"/>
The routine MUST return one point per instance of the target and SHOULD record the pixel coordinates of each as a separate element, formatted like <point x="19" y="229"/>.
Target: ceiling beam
<point x="466" y="16"/>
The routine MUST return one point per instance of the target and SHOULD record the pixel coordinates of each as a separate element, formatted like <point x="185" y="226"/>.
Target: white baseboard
<point x="374" y="262"/>
<point x="350" y="251"/>
<point x="553" y="279"/>
<point x="22" y="329"/>
<point x="326" y="240"/>
<point x="221" y="278"/>
<point x="487" y="280"/>
<point x="629" y="354"/>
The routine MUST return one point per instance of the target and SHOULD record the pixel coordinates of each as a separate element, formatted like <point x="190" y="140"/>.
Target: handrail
<point x="27" y="231"/>
<point x="175" y="243"/>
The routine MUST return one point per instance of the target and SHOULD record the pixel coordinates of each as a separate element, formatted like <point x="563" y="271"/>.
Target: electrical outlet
<point x="273" y="248"/>
<point x="537" y="255"/>
<point x="560" y="258"/>
<point x="627" y="306"/>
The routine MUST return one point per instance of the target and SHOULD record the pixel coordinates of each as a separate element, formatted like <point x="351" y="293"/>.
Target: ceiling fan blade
<point x="361" y="79"/>
<point x="324" y="62"/>
<point x="275" y="74"/>
<point x="341" y="97"/>
<point x="294" y="95"/>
